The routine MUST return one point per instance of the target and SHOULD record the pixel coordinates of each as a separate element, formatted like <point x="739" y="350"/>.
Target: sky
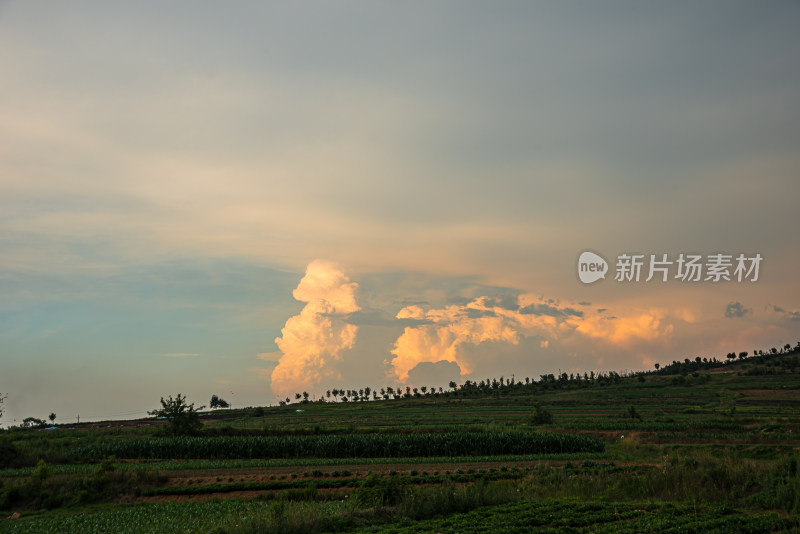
<point x="256" y="199"/>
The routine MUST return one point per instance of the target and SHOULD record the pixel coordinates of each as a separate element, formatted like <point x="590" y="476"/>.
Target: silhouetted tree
<point x="29" y="422"/>
<point x="182" y="418"/>
<point x="217" y="402"/>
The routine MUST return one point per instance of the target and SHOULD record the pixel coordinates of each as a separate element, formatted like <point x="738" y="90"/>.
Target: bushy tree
<point x="30" y="422"/>
<point x="182" y="418"/>
<point x="217" y="402"/>
<point x="541" y="416"/>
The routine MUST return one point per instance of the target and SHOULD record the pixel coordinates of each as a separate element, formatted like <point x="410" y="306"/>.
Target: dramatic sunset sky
<point x="253" y="199"/>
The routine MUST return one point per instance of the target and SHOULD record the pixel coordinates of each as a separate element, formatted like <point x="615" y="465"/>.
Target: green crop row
<point x="654" y="426"/>
<point x="183" y="465"/>
<point x="329" y="483"/>
<point x="520" y="516"/>
<point x="573" y="516"/>
<point x="160" y="518"/>
<point x="345" y="446"/>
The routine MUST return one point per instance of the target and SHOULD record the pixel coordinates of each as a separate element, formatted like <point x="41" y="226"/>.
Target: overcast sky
<point x="253" y="199"/>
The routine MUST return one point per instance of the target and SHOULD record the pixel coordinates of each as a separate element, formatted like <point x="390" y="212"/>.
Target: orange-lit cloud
<point x="311" y="342"/>
<point x="648" y="326"/>
<point x="452" y="330"/>
<point x="484" y="319"/>
<point x="476" y="336"/>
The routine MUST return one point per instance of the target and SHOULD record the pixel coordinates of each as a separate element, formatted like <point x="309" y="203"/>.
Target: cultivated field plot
<point x="695" y="447"/>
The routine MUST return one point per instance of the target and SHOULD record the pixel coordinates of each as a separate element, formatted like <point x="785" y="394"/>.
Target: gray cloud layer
<point x="163" y="165"/>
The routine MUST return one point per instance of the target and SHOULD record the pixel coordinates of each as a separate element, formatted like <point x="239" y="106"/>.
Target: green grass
<point x="193" y="465"/>
<point x="240" y="517"/>
<point x="161" y="518"/>
<point x="345" y="446"/>
<point x="714" y="454"/>
<point x="571" y="516"/>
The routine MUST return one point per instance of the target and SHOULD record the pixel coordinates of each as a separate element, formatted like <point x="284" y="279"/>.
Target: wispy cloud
<point x="789" y="315"/>
<point x="735" y="310"/>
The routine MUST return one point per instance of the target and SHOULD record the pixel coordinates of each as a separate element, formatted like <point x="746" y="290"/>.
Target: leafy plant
<point x="182" y="418"/>
<point x="541" y="416"/>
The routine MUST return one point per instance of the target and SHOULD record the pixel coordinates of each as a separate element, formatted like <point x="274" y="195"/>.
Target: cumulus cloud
<point x="312" y="342"/>
<point x="336" y="341"/>
<point x="460" y="332"/>
<point x="645" y="326"/>
<point x="735" y="310"/>
<point x="474" y="322"/>
<point x="547" y="309"/>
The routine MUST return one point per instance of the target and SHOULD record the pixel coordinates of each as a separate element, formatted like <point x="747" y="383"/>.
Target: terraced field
<point x="712" y="449"/>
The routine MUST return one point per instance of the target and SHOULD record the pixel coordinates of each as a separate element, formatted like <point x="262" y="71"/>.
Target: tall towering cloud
<point x="459" y="337"/>
<point x="312" y="342"/>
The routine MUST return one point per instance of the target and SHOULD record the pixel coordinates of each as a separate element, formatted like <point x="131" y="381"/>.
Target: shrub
<point x="541" y="416"/>
<point x="381" y="492"/>
<point x="182" y="418"/>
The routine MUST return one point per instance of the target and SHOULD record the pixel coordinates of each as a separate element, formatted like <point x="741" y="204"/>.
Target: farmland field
<point x="695" y="447"/>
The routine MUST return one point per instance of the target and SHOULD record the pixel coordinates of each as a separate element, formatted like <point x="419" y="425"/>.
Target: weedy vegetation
<point x="698" y="445"/>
